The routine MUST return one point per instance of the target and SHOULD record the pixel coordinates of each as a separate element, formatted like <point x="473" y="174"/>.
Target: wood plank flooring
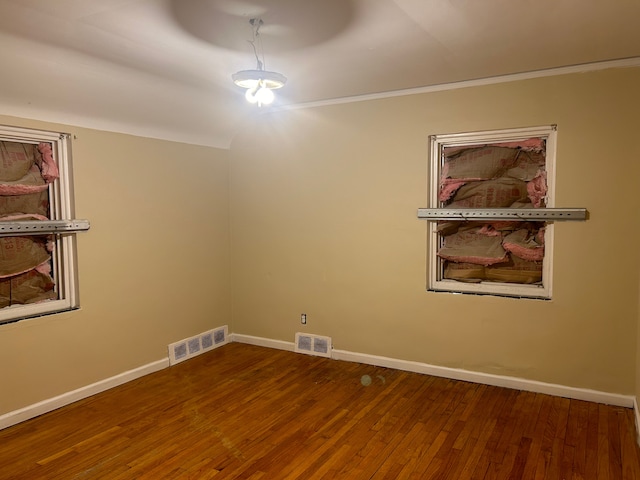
<point x="246" y="412"/>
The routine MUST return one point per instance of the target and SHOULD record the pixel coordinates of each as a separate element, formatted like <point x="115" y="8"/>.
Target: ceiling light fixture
<point x="259" y="83"/>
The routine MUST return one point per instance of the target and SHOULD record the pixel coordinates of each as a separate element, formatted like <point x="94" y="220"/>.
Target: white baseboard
<point x="637" y="416"/>
<point x="263" y="342"/>
<point x="32" y="411"/>
<point x="489" y="379"/>
<point x="460" y="374"/>
<point x="629" y="401"/>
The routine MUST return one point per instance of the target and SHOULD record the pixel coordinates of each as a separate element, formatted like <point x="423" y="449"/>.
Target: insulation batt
<point x="34" y="203"/>
<point x="26" y="170"/>
<point x="464" y="165"/>
<point x="22" y="216"/>
<point x="486" y="228"/>
<point x="449" y="186"/>
<point x="498" y="193"/>
<point x="29" y="169"/>
<point x="515" y="270"/>
<point x="464" y="272"/>
<point x="16" y="159"/>
<point x="528" y="166"/>
<point x="29" y="287"/>
<point x="534" y="144"/>
<point x="524" y="245"/>
<point x="21" y="254"/>
<point x="472" y="165"/>
<point x="501" y="175"/>
<point x="479" y="163"/>
<point x="473" y="247"/>
<point x="32" y="182"/>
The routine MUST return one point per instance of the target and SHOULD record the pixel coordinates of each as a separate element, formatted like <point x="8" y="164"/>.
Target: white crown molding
<point x="137" y="130"/>
<point x="224" y="141"/>
<point x="550" y="72"/>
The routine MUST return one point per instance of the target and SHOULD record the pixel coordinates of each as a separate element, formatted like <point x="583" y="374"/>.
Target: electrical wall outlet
<point x="303" y="318"/>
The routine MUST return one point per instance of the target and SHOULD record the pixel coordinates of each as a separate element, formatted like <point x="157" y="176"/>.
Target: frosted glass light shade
<point x="251" y="78"/>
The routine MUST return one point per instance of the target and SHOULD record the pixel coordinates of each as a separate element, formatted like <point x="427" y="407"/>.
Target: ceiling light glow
<point x="259" y="83"/>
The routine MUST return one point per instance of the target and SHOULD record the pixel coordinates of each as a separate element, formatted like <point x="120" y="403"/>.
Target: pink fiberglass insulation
<point x="44" y="268"/>
<point x="49" y="168"/>
<point x="489" y="231"/>
<point x="449" y="186"/>
<point x="26" y="170"/>
<point x="529" y="145"/>
<point x="498" y="175"/>
<point x="537" y="189"/>
<point x="523" y="244"/>
<point x="21" y="217"/>
<point x="521" y="160"/>
<point x="32" y="182"/>
<point x="36" y="177"/>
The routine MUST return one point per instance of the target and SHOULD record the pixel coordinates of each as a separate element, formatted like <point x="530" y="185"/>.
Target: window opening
<point x="37" y="229"/>
<point x="485" y="233"/>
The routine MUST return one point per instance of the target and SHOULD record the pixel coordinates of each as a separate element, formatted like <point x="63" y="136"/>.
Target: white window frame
<point x="61" y="207"/>
<point x="435" y="280"/>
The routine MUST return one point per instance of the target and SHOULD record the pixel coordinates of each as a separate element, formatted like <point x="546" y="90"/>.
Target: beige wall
<point x="323" y="218"/>
<point x="153" y="269"/>
<point x="637" y="392"/>
<point x="323" y="221"/>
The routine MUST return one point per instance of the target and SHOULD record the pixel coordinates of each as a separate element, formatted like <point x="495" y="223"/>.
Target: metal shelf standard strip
<point x="44" y="227"/>
<point x="509" y="214"/>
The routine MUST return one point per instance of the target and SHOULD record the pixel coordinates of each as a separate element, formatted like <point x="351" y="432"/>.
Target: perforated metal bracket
<point x="45" y="227"/>
<point x="507" y="214"/>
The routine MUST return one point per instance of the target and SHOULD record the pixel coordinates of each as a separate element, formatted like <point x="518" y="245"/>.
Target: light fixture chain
<point x="256" y="23"/>
<point x="259" y="83"/>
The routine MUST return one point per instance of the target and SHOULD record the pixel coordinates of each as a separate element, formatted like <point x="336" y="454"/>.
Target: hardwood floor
<point x="248" y="412"/>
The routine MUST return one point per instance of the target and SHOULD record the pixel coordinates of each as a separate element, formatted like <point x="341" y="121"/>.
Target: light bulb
<point x="264" y="96"/>
<point x="251" y="95"/>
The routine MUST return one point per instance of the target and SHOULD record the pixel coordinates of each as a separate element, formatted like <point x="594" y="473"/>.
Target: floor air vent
<point x="313" y="345"/>
<point x="192" y="346"/>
